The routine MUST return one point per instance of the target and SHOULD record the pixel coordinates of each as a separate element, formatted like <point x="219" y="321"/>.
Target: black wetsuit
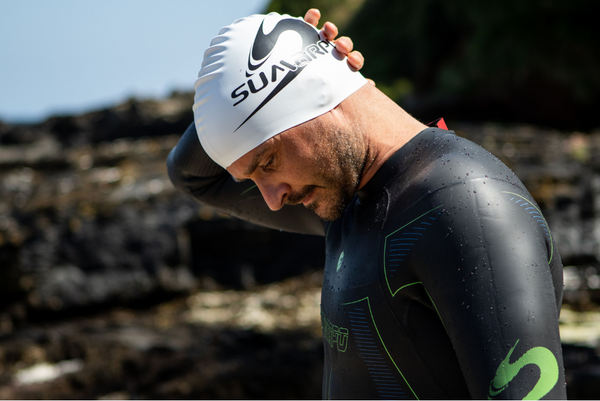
<point x="442" y="279"/>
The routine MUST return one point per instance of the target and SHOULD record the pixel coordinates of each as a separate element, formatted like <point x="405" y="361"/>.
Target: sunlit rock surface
<point x="264" y="343"/>
<point x="113" y="285"/>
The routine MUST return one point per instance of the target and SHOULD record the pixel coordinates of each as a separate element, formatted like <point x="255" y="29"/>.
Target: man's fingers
<point x="329" y="30"/>
<point x="313" y="16"/>
<point x="356" y="60"/>
<point x="344" y="45"/>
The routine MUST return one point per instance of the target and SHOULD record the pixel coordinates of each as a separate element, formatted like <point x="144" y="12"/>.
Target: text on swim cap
<point x="300" y="60"/>
<point x="262" y="47"/>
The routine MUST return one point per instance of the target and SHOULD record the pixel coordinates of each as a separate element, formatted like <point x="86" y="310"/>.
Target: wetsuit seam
<point x="414" y="351"/>
<point x="388" y="196"/>
<point x="539" y="212"/>
<point x="430" y="193"/>
<point x="489" y="262"/>
<point x="383" y="343"/>
<point x="475" y="179"/>
<point x="388" y="301"/>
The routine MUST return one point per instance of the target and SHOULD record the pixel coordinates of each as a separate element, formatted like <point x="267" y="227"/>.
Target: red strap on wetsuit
<point x="439" y="123"/>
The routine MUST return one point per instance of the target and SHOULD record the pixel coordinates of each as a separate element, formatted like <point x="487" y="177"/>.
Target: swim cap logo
<point x="262" y="48"/>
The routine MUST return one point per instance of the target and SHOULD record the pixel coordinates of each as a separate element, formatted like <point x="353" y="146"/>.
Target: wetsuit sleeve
<point x="494" y="277"/>
<point x="194" y="173"/>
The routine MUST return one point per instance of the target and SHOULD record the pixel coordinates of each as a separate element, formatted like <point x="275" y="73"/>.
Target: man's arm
<point x="194" y="173"/>
<point x="495" y="281"/>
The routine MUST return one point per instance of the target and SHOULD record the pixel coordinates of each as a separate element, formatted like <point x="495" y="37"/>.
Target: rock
<point x="582" y="366"/>
<point x="167" y="352"/>
<point x="89" y="218"/>
<point x="90" y="223"/>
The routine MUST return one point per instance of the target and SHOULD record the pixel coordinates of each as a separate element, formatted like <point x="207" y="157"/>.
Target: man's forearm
<point x="194" y="173"/>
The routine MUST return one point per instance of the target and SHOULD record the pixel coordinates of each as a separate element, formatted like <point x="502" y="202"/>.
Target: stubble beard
<point x="340" y="163"/>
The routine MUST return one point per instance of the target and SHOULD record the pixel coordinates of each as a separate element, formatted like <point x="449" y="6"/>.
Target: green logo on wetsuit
<point x="334" y="334"/>
<point x="542" y="357"/>
<point x="340" y="261"/>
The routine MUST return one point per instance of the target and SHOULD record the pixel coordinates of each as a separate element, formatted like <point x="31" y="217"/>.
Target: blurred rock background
<point x="114" y="286"/>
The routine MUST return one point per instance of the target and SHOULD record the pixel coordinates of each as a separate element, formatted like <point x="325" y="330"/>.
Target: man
<point x="441" y="280"/>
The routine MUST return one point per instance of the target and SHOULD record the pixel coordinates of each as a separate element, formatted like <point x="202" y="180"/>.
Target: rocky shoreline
<point x="119" y="287"/>
<point x="261" y="344"/>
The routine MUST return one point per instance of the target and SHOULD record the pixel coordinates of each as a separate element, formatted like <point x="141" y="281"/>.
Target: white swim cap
<point x="261" y="76"/>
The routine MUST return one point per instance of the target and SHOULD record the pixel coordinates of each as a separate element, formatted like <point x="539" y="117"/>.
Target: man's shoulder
<point x="442" y="163"/>
<point x="438" y="158"/>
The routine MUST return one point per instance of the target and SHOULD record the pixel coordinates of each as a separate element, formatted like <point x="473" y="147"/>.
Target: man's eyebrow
<point x="254" y="162"/>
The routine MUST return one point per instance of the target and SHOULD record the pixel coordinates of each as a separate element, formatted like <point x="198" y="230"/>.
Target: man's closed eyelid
<point x="269" y="163"/>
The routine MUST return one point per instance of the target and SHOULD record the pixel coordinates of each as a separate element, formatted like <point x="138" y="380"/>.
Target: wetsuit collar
<point x="396" y="164"/>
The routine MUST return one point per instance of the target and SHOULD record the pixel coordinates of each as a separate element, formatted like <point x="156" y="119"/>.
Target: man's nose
<point x="274" y="194"/>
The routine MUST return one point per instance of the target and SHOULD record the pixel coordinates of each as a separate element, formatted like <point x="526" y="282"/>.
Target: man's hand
<point x="343" y="45"/>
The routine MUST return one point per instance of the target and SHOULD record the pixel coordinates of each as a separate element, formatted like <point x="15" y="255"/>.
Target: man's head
<point x="261" y="76"/>
<point x="261" y="95"/>
<point x="318" y="163"/>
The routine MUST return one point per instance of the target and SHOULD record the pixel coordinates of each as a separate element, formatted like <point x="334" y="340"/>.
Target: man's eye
<point x="268" y="165"/>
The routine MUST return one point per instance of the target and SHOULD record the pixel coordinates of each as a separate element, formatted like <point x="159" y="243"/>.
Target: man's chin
<point x="326" y="212"/>
<point x="330" y="205"/>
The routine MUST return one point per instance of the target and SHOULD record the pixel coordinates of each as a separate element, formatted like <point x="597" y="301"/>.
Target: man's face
<point x="316" y="163"/>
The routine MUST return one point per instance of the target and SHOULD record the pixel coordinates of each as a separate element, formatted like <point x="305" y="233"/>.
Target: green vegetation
<point x="338" y="11"/>
<point x="515" y="60"/>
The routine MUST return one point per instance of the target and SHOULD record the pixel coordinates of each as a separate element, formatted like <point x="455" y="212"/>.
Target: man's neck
<point x="387" y="127"/>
